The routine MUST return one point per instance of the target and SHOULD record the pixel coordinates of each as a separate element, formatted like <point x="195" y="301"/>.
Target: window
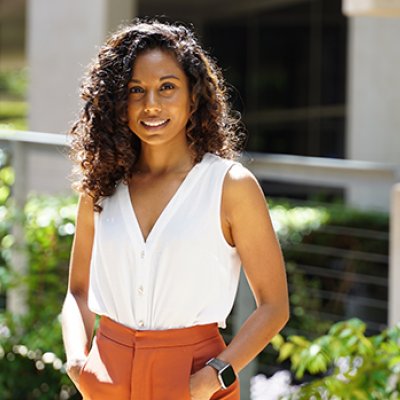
<point x="289" y="65"/>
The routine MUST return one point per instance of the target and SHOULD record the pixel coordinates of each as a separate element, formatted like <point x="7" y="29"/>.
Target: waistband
<point x="156" y="338"/>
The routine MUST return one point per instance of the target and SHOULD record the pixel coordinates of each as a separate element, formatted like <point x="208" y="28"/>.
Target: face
<point x="159" y="98"/>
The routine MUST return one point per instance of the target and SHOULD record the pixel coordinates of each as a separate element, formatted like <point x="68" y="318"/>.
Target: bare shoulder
<point x="242" y="195"/>
<point x="240" y="181"/>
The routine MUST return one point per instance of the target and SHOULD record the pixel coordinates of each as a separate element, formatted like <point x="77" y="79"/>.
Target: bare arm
<point x="246" y="216"/>
<point x="77" y="319"/>
<point x="254" y="237"/>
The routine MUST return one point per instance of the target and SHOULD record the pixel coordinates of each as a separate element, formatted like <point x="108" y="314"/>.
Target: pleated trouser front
<point x="129" y="364"/>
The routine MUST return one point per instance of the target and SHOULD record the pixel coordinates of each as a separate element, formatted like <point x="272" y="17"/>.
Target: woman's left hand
<point x="203" y="384"/>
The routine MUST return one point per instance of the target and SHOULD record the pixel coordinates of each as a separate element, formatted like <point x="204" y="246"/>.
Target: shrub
<point x="31" y="351"/>
<point x="353" y="366"/>
<point x="13" y="83"/>
<point x="13" y="115"/>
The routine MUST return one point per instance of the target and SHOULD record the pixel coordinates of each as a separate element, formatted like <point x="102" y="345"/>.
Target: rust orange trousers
<point x="129" y="364"/>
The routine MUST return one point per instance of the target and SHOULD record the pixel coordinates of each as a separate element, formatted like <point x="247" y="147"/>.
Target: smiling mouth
<point x="157" y="123"/>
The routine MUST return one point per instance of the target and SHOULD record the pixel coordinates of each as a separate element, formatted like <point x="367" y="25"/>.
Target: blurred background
<point x="317" y="84"/>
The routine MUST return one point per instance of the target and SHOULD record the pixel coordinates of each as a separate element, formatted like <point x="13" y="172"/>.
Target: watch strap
<point x="217" y="364"/>
<point x="225" y="373"/>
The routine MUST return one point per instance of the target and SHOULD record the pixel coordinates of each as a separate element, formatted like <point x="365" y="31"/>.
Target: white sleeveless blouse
<point x="184" y="274"/>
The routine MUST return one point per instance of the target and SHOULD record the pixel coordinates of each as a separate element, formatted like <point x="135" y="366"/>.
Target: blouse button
<point x="141" y="323"/>
<point x="142" y="254"/>
<point x="141" y="290"/>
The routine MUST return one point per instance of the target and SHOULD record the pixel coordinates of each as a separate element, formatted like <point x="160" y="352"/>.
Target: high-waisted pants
<point x="129" y="364"/>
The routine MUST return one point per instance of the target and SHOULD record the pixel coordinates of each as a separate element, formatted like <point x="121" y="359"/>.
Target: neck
<point x="156" y="161"/>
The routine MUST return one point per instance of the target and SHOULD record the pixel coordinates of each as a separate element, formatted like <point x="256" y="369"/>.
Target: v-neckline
<point x="165" y="211"/>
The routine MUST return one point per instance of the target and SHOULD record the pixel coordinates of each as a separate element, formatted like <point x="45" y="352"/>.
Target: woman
<point x="165" y="220"/>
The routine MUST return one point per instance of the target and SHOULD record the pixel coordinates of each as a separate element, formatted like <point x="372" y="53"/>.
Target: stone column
<point x="373" y="89"/>
<point x="63" y="37"/>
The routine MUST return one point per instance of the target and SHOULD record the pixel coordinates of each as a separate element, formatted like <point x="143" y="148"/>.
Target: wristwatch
<point x="226" y="374"/>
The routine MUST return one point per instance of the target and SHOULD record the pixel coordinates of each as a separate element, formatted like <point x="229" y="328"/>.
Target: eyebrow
<point x="163" y="78"/>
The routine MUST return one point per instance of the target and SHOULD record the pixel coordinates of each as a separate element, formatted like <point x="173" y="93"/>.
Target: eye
<point x="167" y="86"/>
<point x="136" y="90"/>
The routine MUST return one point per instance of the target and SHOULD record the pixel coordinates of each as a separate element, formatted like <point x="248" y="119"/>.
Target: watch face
<point x="228" y="376"/>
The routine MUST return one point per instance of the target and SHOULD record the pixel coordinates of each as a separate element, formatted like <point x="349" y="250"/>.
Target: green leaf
<point x="300" y="371"/>
<point x="346" y="333"/>
<point x="365" y="346"/>
<point x="277" y="341"/>
<point x="7" y="176"/>
<point x="394" y="362"/>
<point x="359" y="394"/>
<point x="299" y="341"/>
<point x="352" y="341"/>
<point x="286" y="351"/>
<point x="317" y="364"/>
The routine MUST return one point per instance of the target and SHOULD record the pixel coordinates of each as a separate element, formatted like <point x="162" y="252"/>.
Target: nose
<point x="152" y="102"/>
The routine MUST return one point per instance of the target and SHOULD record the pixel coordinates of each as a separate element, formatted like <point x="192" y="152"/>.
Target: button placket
<point x="142" y="283"/>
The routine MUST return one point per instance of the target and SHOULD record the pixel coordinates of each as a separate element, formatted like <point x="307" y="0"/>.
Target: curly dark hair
<point x="103" y="146"/>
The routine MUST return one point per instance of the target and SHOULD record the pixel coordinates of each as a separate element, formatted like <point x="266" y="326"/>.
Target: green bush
<point x="314" y="224"/>
<point x="356" y="367"/>
<point x="13" y="105"/>
<point x="31" y="351"/>
<point x="6" y="239"/>
<point x="30" y="374"/>
<point x="13" y="115"/>
<point x="293" y="223"/>
<point x="330" y="227"/>
<point x="13" y="109"/>
<point x="13" y="83"/>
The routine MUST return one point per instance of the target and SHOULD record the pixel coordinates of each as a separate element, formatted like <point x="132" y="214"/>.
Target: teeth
<point x="154" y="123"/>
